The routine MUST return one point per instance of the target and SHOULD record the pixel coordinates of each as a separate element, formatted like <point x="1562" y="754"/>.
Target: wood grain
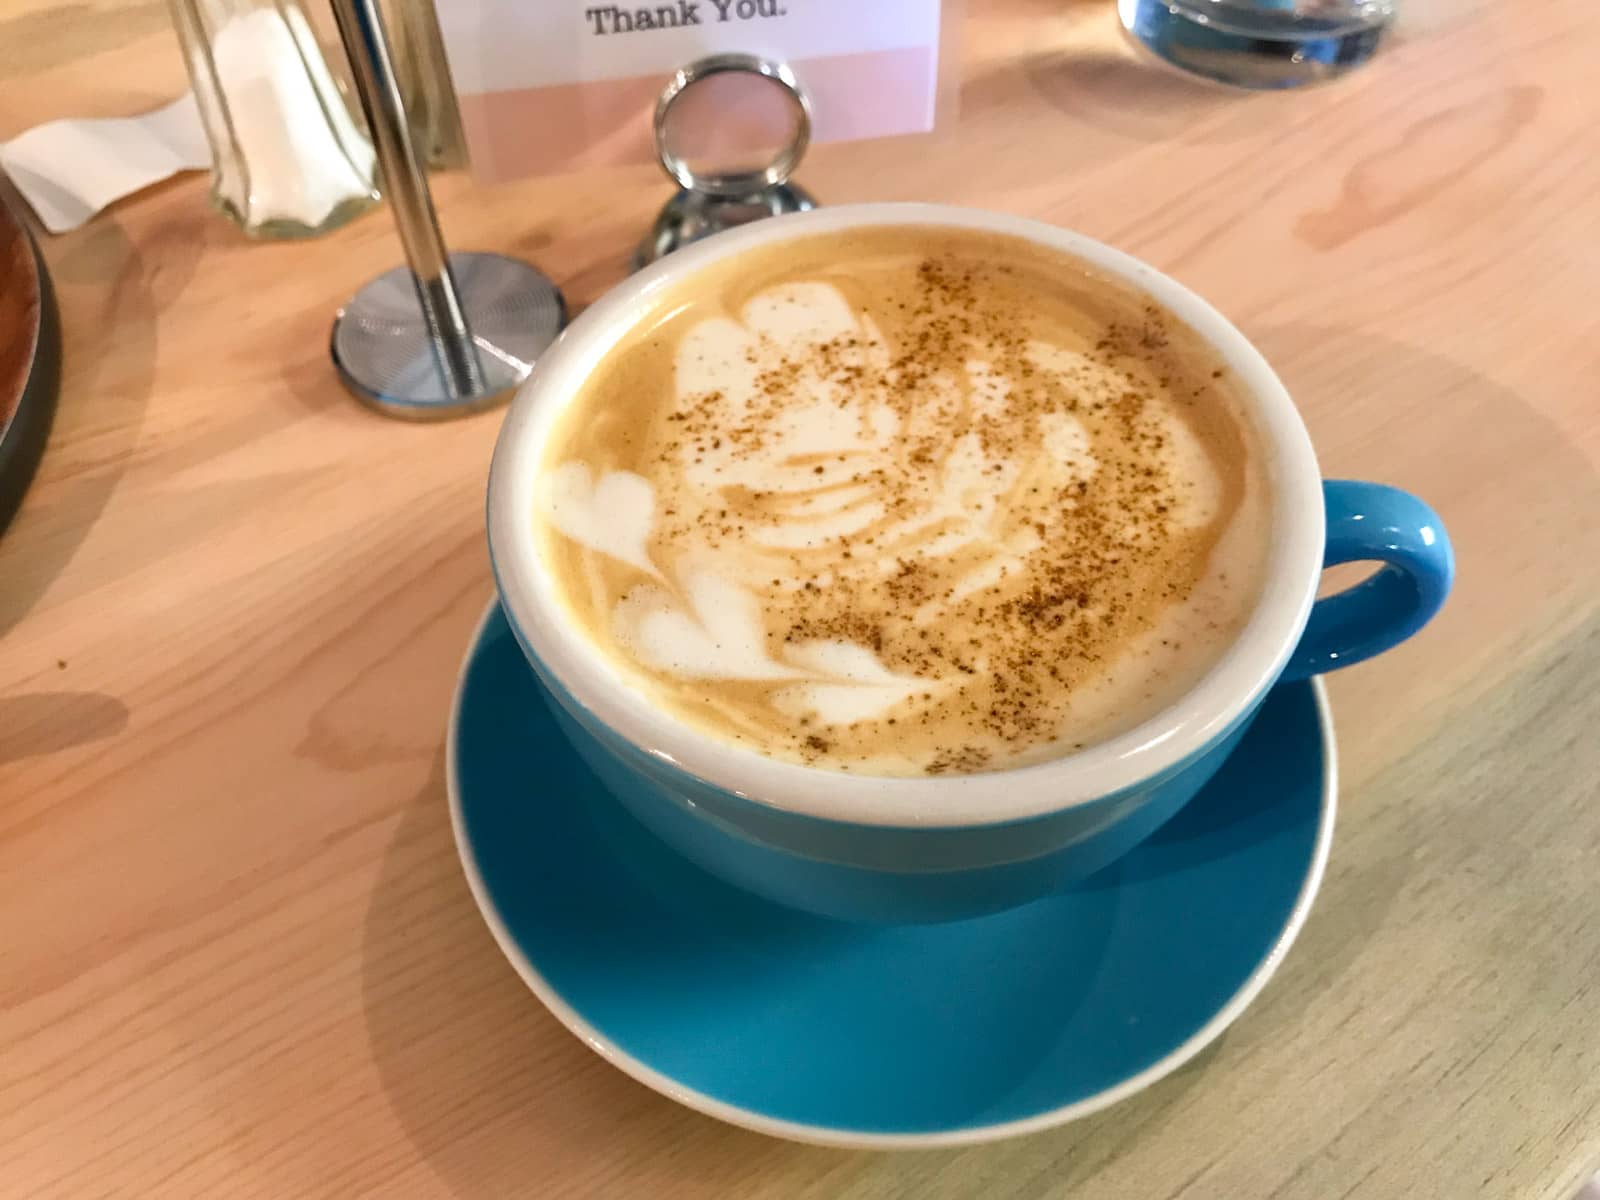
<point x="239" y="958"/>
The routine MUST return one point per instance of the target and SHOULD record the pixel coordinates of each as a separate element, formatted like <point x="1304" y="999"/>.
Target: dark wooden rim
<point x="30" y="356"/>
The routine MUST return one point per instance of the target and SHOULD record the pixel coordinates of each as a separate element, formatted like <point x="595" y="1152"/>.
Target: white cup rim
<point x="1167" y="739"/>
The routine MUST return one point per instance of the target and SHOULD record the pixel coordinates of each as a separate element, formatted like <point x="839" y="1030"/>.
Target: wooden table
<point x="239" y="958"/>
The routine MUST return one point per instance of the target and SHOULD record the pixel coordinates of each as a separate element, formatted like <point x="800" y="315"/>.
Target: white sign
<point x="553" y="85"/>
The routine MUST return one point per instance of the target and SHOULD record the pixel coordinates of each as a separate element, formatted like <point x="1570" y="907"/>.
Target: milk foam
<point x="714" y="629"/>
<point x="813" y="503"/>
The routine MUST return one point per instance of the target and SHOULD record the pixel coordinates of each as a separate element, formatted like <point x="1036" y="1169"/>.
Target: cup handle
<point x="1368" y="521"/>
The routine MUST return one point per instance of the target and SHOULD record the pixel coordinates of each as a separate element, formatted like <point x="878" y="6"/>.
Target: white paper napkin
<point x="69" y="170"/>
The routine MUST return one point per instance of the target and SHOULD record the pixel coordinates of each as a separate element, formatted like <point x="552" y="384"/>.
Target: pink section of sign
<point x="569" y="127"/>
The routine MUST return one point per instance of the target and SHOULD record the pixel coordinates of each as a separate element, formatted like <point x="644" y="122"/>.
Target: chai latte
<point x="906" y="501"/>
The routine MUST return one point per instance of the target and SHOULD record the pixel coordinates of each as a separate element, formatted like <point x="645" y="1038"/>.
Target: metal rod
<point x="366" y="43"/>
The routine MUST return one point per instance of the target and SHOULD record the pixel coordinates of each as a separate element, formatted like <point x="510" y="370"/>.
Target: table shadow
<point x="1421" y="389"/>
<point x="493" y="1092"/>
<point x="104" y="282"/>
<point x="36" y="723"/>
<point x="1110" y="86"/>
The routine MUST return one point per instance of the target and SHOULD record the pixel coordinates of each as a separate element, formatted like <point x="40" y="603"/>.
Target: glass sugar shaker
<point x="288" y="159"/>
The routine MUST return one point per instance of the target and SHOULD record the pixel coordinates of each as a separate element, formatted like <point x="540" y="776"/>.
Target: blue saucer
<point x="872" y="1035"/>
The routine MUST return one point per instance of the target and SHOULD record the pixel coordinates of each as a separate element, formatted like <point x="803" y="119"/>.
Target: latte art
<point x="906" y="501"/>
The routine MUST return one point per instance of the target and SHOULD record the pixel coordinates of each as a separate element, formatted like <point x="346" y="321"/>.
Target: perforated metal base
<point x="382" y="349"/>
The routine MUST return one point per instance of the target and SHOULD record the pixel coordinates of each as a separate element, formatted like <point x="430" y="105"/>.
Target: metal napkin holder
<point x="449" y="334"/>
<point x="446" y="334"/>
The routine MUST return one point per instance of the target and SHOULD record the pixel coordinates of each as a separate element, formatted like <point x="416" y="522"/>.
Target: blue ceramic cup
<point x="925" y="849"/>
